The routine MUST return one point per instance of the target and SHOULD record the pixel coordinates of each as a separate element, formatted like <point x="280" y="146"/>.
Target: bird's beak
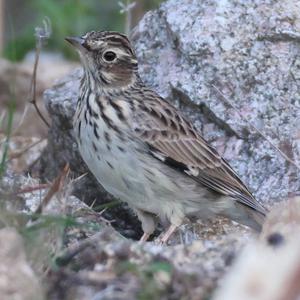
<point x="75" y="41"/>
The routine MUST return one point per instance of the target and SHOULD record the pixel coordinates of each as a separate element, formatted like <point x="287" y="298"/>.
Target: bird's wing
<point x="174" y="141"/>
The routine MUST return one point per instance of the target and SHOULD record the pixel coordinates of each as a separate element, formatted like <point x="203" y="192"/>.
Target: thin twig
<point x="56" y="186"/>
<point x="24" y="150"/>
<point x="79" y="177"/>
<point x="41" y="34"/>
<point x="31" y="189"/>
<point x="256" y="129"/>
<point x="76" y="248"/>
<point x="127" y="9"/>
<point x="33" y="86"/>
<point x="280" y="35"/>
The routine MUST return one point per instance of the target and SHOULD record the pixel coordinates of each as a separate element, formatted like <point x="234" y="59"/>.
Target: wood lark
<point x="143" y="151"/>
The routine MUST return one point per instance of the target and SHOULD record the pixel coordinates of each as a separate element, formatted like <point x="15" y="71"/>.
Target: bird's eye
<point x="109" y="56"/>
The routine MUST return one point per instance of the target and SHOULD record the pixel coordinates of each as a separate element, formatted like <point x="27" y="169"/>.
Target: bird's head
<point x="107" y="58"/>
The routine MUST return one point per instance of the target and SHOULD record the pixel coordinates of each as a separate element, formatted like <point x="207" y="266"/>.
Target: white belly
<point x="116" y="167"/>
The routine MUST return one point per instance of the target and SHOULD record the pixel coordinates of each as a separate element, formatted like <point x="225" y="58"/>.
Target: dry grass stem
<point x="31" y="189"/>
<point x="55" y="187"/>
<point x="41" y="34"/>
<point x="19" y="153"/>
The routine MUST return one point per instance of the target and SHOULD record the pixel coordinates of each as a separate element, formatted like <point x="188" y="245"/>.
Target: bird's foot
<point x="164" y="237"/>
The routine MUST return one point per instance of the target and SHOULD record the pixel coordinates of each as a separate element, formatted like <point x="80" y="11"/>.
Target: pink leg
<point x="165" y="237"/>
<point x="144" y="237"/>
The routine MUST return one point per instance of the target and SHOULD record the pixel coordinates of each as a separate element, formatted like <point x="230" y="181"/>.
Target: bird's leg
<point x="145" y="237"/>
<point x="148" y="224"/>
<point x="163" y="239"/>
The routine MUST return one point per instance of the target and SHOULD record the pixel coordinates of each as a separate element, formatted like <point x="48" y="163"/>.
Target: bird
<point x="144" y="151"/>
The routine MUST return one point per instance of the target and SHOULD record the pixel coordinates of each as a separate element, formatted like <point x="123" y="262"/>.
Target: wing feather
<point x="174" y="140"/>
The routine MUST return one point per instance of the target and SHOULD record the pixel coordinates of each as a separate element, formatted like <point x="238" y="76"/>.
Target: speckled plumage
<point x="143" y="151"/>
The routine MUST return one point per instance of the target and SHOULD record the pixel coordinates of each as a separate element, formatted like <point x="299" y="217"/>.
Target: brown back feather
<point x="171" y="136"/>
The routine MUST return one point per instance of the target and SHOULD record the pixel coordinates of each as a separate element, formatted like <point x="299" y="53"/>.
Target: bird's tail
<point x="247" y="216"/>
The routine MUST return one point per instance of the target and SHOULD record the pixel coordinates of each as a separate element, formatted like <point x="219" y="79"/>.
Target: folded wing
<point x="175" y="142"/>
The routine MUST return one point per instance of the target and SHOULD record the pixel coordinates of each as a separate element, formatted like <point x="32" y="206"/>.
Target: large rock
<point x="268" y="271"/>
<point x="249" y="51"/>
<point x="229" y="66"/>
